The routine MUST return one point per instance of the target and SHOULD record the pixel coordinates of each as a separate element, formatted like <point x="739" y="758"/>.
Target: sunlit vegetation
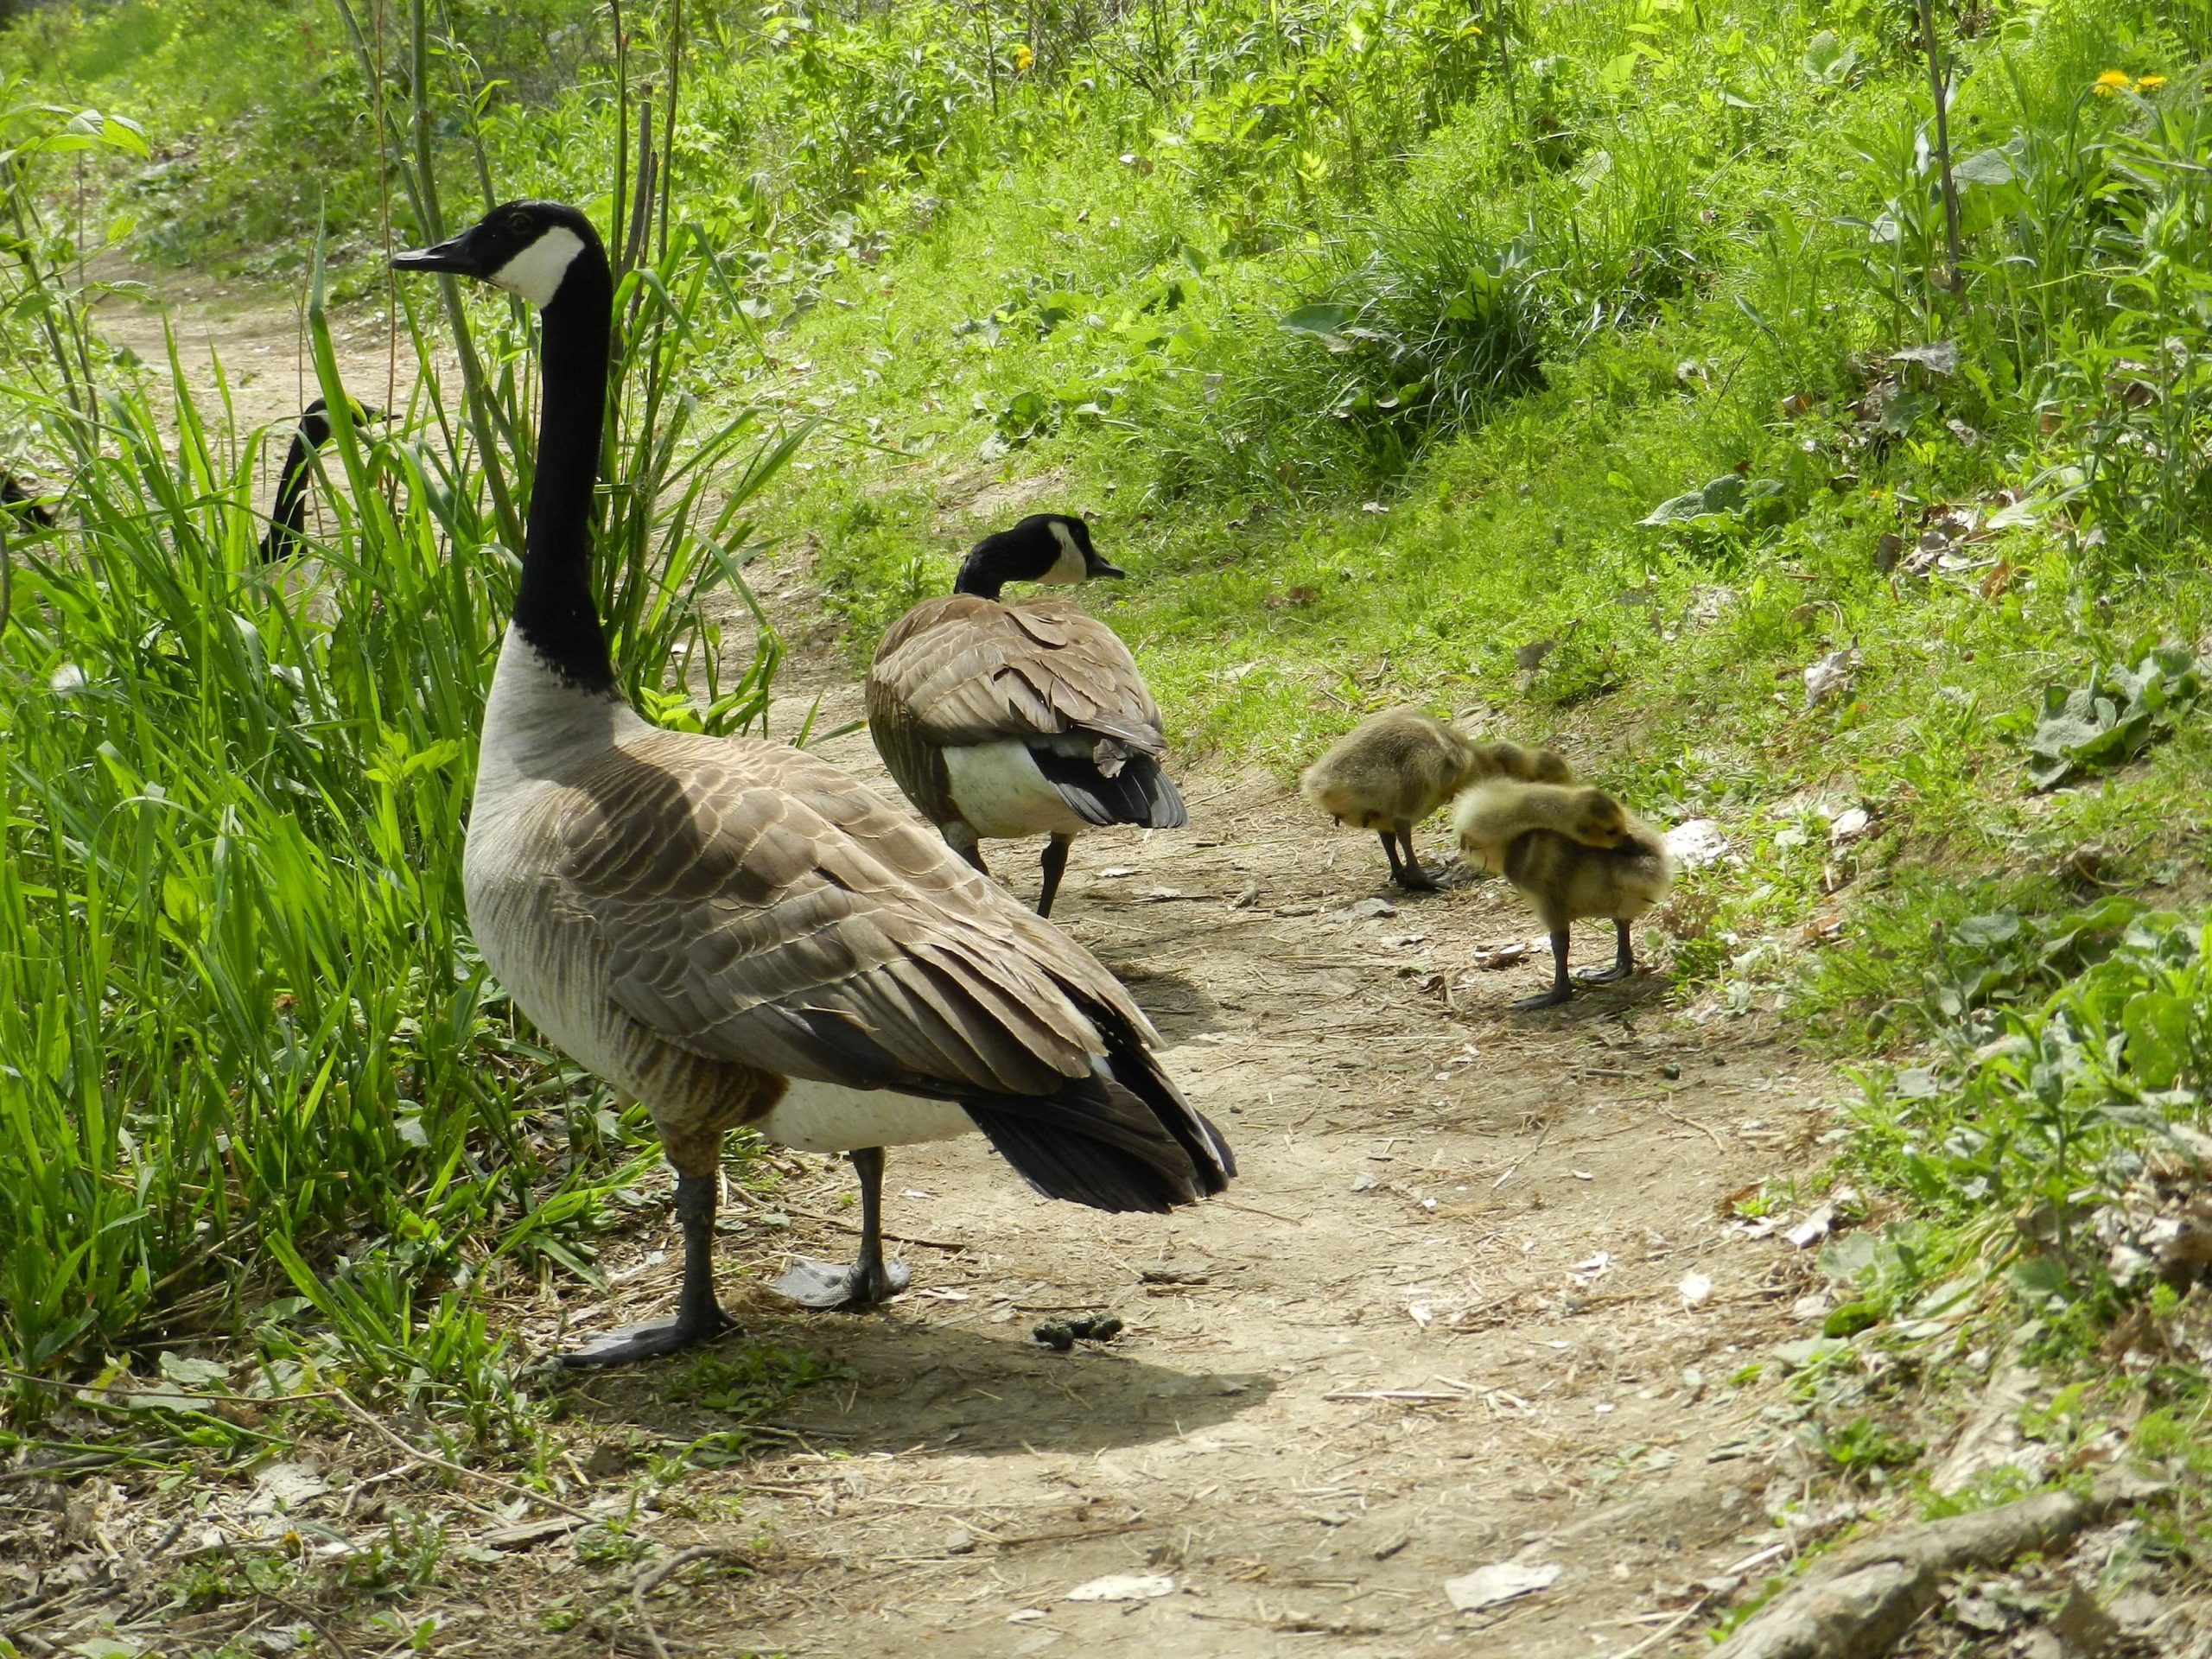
<point x="1601" y="366"/>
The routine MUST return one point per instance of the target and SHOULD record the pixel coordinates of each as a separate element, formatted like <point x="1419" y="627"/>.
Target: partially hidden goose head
<point x="287" y="515"/>
<point x="1052" y="548"/>
<point x="17" y="500"/>
<point x="734" y="933"/>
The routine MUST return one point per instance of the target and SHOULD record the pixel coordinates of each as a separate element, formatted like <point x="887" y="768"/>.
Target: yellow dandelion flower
<point x="1023" y="57"/>
<point x="2150" y="83"/>
<point x="2111" y="81"/>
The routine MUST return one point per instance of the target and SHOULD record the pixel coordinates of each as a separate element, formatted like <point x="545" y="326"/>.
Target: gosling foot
<point x="1550" y="999"/>
<point x="1624" y="961"/>
<point x="1562" y="987"/>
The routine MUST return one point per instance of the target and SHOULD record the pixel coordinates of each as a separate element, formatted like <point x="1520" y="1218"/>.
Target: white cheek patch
<point x="536" y="272"/>
<point x="1071" y="567"/>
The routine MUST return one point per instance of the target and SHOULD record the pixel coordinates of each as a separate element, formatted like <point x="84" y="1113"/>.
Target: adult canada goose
<point x="287" y="514"/>
<point x="1026" y="719"/>
<point x="1393" y="769"/>
<point x="1577" y="853"/>
<point x="736" y="932"/>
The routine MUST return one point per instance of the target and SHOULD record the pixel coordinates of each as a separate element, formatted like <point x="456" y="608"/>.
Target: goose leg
<point x="699" y="1317"/>
<point x="868" y="1280"/>
<point x="1054" y="863"/>
<point x="1412" y="875"/>
<point x="1623" y="960"/>
<point x="1562" y="987"/>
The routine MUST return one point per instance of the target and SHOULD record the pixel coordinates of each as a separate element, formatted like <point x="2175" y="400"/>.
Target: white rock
<point x="1696" y="1290"/>
<point x="286" y="1486"/>
<point x="1831" y="675"/>
<point x="1814" y="1228"/>
<point x="1696" y="843"/>
<point x="1486" y="1586"/>
<point x="1124" y="1587"/>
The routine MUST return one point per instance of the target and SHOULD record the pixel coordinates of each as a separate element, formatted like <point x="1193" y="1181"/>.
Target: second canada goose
<point x="1578" y="854"/>
<point x="1393" y="769"/>
<point x="287" y="514"/>
<point x="735" y="932"/>
<point x="1028" y="719"/>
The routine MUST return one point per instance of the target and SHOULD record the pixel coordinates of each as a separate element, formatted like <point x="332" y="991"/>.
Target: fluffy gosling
<point x="1392" y="770"/>
<point x="1578" y="854"/>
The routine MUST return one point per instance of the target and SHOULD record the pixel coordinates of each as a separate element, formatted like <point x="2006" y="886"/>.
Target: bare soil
<point x="1439" y="1322"/>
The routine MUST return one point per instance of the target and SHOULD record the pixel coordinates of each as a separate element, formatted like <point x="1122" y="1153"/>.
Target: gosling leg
<point x="1054" y="863"/>
<point x="1412" y="875"/>
<point x="1390" y="852"/>
<point x="870" y="1279"/>
<point x="1623" y="960"/>
<point x="1562" y="985"/>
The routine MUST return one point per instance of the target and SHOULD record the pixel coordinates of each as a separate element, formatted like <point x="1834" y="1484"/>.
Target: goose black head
<point x="1046" y="547"/>
<point x="525" y="247"/>
<point x="314" y="420"/>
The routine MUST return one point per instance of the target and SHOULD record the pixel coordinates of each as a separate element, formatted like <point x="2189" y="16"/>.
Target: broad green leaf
<point x="1322" y="317"/>
<point x="1985" y="169"/>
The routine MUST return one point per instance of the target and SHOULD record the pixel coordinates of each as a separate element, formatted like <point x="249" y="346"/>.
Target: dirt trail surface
<point x="1449" y="1316"/>
<point x="260" y="340"/>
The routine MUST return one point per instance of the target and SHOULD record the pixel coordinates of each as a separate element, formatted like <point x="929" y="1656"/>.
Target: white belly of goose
<point x="1000" y="791"/>
<point x="830" y="1118"/>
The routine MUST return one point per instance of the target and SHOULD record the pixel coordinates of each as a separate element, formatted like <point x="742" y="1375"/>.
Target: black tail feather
<point x="1123" y="1138"/>
<point x="1139" y="791"/>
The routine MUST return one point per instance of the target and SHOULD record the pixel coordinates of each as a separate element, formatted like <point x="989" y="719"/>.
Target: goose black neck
<point x="554" y="607"/>
<point x="288" y="516"/>
<point x="979" y="571"/>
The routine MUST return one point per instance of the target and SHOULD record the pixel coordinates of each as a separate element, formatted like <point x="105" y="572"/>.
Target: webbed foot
<point x="635" y="1342"/>
<point x="833" y="1285"/>
<point x="1550" y="999"/>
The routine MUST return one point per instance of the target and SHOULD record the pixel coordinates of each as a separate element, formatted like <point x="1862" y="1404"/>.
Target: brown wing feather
<point x="965" y="669"/>
<point x="776" y="912"/>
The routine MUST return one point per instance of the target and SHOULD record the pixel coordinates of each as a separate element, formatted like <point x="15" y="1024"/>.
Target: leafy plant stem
<point x="1938" y="86"/>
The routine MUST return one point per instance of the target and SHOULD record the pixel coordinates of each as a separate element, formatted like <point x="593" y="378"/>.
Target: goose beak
<point x="452" y="256"/>
<point x="1098" y="567"/>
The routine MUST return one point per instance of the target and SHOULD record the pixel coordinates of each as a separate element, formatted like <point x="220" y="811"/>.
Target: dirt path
<point x="1437" y="1323"/>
